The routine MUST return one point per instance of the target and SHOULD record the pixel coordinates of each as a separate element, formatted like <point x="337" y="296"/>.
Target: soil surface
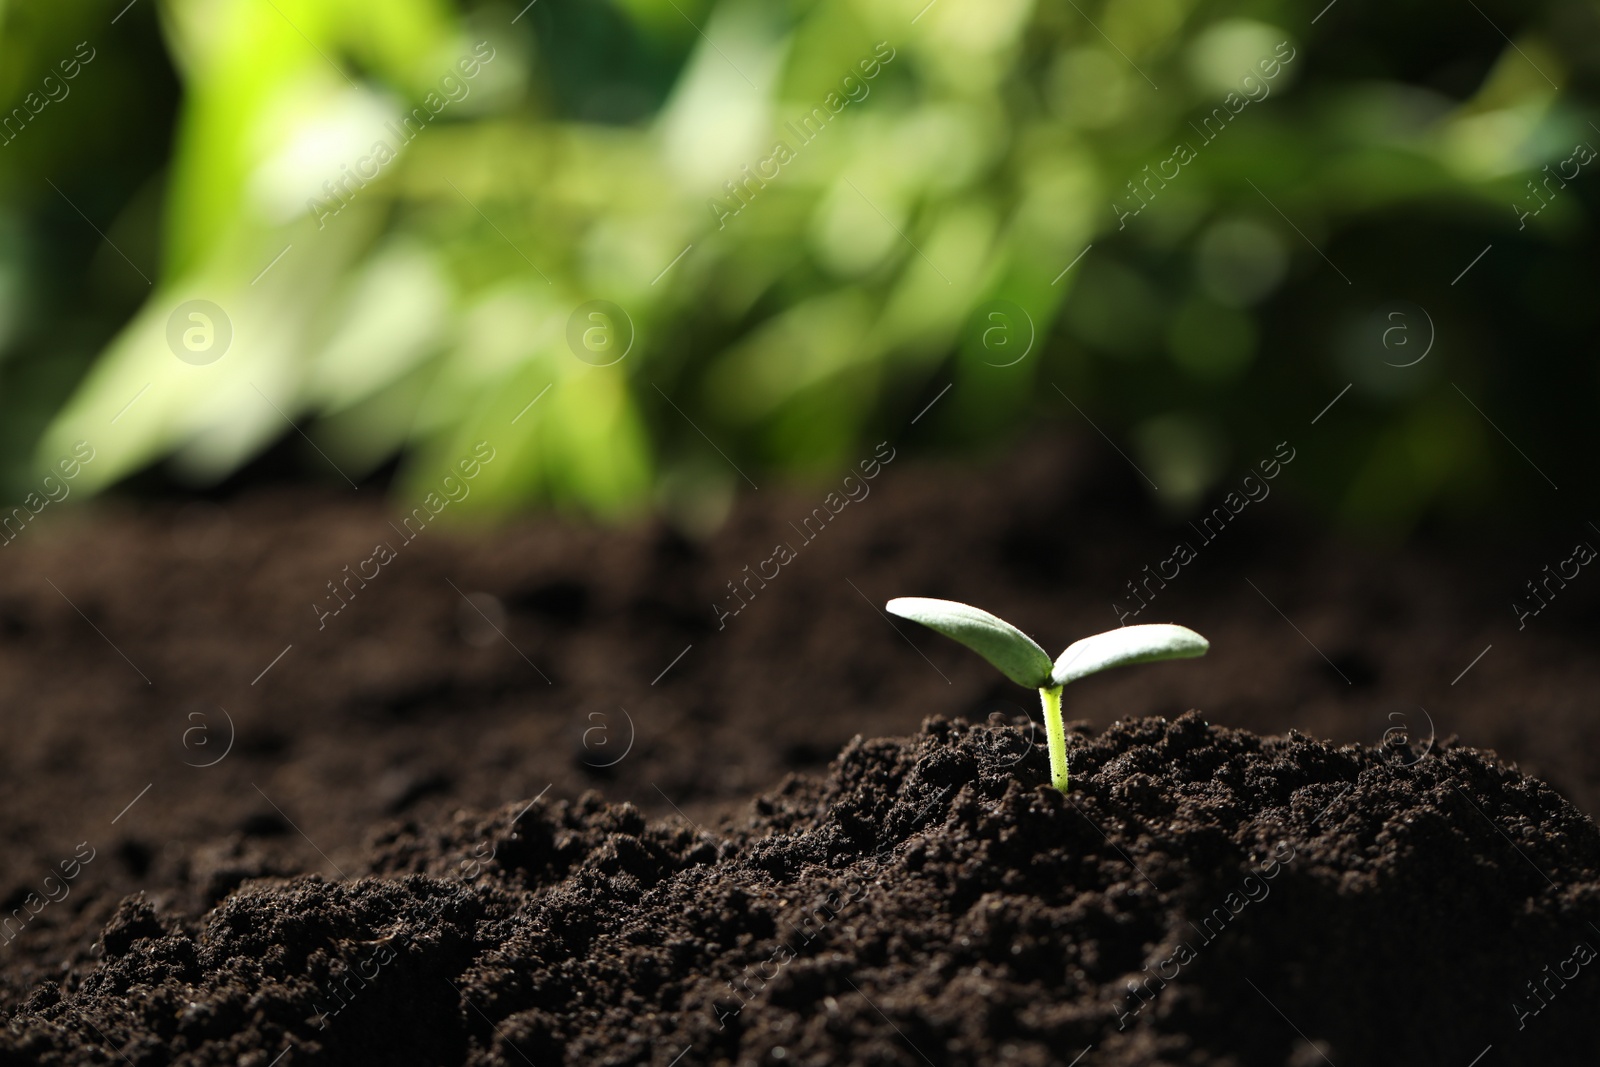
<point x="187" y="717"/>
<point x="1203" y="896"/>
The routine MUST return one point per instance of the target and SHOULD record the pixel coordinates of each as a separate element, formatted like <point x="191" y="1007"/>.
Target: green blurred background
<point x="389" y="307"/>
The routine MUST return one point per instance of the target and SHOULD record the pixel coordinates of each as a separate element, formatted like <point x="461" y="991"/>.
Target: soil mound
<point x="1202" y="896"/>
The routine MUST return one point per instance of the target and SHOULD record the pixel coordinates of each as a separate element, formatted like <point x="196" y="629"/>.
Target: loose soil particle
<point x="929" y="900"/>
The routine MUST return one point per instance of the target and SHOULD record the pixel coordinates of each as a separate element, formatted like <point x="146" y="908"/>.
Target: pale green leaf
<point x="1012" y="652"/>
<point x="1128" y="644"/>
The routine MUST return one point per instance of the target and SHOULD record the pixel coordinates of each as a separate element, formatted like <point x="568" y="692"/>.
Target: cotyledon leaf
<point x="1125" y="645"/>
<point x="1013" y="652"/>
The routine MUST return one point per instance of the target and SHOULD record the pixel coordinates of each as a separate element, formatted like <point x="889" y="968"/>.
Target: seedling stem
<point x="1056" y="731"/>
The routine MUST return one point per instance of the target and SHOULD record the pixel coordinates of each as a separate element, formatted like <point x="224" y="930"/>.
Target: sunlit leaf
<point x="1012" y="652"/>
<point x="1128" y="644"/>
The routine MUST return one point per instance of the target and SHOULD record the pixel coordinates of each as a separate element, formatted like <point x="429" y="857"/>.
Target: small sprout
<point x="1019" y="657"/>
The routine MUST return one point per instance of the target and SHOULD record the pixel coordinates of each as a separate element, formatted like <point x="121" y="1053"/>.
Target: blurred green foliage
<point x="396" y="291"/>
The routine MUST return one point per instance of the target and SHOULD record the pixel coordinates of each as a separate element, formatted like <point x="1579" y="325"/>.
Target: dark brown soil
<point x="1203" y="896"/>
<point x="138" y="641"/>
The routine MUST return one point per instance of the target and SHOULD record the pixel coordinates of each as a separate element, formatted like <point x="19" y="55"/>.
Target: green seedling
<point x="1019" y="657"/>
